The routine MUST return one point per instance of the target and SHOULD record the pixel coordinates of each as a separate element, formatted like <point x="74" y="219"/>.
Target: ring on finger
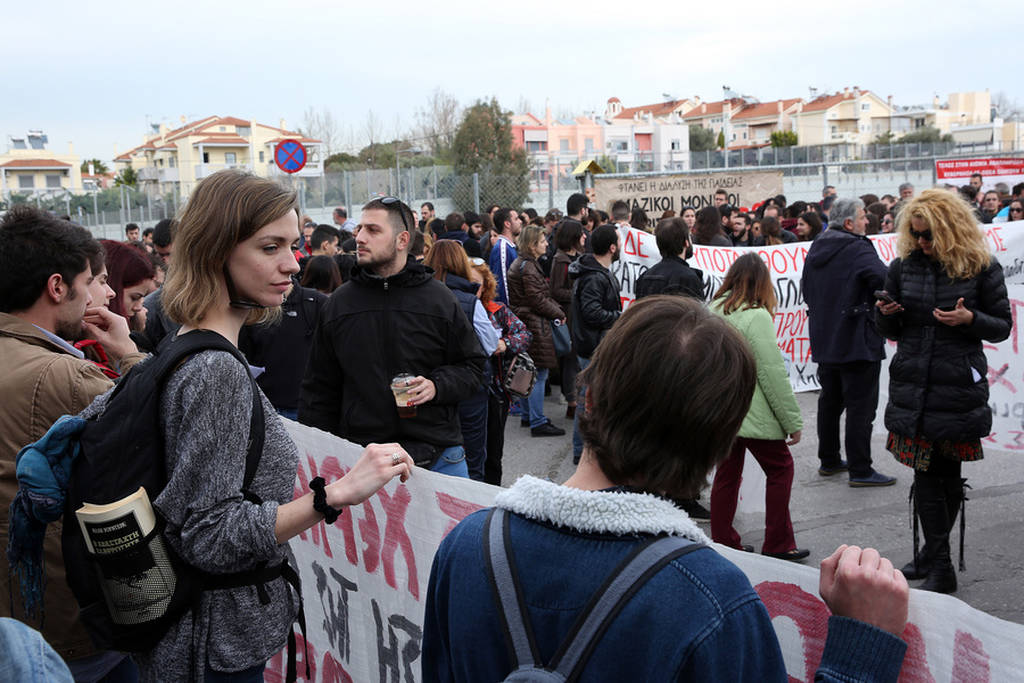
<point x="396" y="458"/>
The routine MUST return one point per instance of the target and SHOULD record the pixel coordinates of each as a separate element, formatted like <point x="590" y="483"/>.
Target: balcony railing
<point x="203" y="170"/>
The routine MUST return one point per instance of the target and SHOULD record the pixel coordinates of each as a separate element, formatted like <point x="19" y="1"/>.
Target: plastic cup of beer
<point x="400" y="387"/>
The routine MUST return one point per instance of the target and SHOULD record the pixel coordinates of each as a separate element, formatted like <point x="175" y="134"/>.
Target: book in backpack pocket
<point x="135" y="572"/>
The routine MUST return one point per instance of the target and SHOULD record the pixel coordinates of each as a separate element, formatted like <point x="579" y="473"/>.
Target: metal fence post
<point x="824" y="175"/>
<point x="434" y="170"/>
<point x="476" y="193"/>
<point x="551" y="192"/>
<point x="348" y="193"/>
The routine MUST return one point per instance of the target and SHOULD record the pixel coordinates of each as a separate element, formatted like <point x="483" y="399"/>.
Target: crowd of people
<point x="397" y="332"/>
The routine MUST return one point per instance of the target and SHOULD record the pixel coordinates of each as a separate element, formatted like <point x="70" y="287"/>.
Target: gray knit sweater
<point x="205" y="412"/>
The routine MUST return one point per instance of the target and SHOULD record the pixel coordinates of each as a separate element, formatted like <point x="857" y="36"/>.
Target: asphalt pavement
<point x="827" y="512"/>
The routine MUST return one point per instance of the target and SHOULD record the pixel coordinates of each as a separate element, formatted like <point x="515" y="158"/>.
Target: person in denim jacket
<point x="656" y="423"/>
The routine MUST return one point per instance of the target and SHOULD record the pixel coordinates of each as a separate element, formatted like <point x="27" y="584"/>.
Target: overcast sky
<point x="96" y="73"/>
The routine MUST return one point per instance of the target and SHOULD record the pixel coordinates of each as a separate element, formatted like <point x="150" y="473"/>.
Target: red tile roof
<point x="35" y="163"/>
<point x="222" y="139"/>
<point x="765" y="109"/>
<point x="828" y="101"/>
<point x="714" y="108"/>
<point x="657" y="109"/>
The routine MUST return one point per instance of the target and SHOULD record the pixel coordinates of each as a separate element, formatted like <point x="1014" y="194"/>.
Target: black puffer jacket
<point x="938" y="379"/>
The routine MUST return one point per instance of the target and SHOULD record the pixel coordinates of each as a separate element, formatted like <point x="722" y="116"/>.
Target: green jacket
<point x="774" y="413"/>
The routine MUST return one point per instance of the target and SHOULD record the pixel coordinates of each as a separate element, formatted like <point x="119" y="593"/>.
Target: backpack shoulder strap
<point x="643" y="563"/>
<point x="504" y="580"/>
<point x="176" y="348"/>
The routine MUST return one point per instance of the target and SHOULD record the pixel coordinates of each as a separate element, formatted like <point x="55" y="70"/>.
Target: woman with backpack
<point x="232" y="266"/>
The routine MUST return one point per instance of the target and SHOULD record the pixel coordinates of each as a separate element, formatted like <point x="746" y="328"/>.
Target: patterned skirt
<point x="917" y="451"/>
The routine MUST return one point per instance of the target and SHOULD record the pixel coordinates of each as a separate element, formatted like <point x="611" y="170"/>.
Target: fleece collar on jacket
<point x="597" y="511"/>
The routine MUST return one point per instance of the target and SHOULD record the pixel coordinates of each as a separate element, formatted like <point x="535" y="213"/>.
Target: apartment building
<point x="30" y="167"/>
<point x="853" y="116"/>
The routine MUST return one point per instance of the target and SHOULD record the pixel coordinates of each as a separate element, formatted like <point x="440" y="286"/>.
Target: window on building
<point x="620" y="146"/>
<point x="262" y="159"/>
<point x="588" y="145"/>
<point x="159" y="162"/>
<point x="835" y="129"/>
<point x="223" y="129"/>
<point x="171" y="162"/>
<point x="675" y="145"/>
<point x="865" y="106"/>
<point x="53" y="181"/>
<point x="229" y="157"/>
<point x="563" y="145"/>
<point x="26" y="182"/>
<point x="206" y="157"/>
<point x="536" y="146"/>
<point x="744" y="136"/>
<point x="243" y="131"/>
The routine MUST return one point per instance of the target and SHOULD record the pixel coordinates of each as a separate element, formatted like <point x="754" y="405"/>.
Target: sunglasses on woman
<point x="925" y="235"/>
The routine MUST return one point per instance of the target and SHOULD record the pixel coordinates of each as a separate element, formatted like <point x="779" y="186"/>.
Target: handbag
<point x="521" y="376"/>
<point x="560" y="336"/>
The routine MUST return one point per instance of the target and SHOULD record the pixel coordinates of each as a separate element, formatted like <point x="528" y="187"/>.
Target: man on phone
<point x="841" y="274"/>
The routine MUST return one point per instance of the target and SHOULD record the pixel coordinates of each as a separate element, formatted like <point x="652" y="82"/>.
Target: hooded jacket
<point x="374" y="328"/>
<point x="596" y="303"/>
<point x="671" y="275"/>
<point x="841" y="273"/>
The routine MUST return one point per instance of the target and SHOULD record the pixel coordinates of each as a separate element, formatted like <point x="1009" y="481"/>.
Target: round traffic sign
<point x="290" y="156"/>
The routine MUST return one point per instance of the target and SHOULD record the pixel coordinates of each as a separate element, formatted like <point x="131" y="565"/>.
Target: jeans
<point x="452" y="462"/>
<point x="251" y="675"/>
<point x="473" y="418"/>
<point x="852" y="387"/>
<point x="581" y="402"/>
<point x="777" y="462"/>
<point x="497" y="413"/>
<point x="536" y="400"/>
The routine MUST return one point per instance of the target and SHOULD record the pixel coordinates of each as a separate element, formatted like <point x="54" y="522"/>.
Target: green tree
<point x="884" y="138"/>
<point x="701" y="138"/>
<point x="783" y="138"/>
<point x="720" y="142"/>
<point x="128" y="177"/>
<point x="926" y="134"/>
<point x="483" y="144"/>
<point x="98" y="167"/>
<point x="341" y="161"/>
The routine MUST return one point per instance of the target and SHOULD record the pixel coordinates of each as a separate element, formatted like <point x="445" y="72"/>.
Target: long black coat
<point x="938" y="379"/>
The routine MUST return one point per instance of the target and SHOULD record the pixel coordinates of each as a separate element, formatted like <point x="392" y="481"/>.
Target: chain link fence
<point x="852" y="169"/>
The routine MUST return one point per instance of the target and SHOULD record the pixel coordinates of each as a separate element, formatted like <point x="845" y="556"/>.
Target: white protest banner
<point x="657" y="193"/>
<point x="785" y="263"/>
<point x="364" y="581"/>
<point x="993" y="170"/>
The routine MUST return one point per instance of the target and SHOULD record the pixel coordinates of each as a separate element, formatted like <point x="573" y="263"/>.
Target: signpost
<point x="290" y="156"/>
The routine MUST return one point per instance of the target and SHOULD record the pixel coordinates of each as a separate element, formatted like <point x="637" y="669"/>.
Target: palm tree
<point x="98" y="167"/>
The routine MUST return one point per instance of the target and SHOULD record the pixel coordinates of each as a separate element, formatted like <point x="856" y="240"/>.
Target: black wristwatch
<point x="320" y="501"/>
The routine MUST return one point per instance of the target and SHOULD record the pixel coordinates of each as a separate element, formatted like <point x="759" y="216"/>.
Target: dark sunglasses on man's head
<point x="395" y="202"/>
<point x="925" y="235"/>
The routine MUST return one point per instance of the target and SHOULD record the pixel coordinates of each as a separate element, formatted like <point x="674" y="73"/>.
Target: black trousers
<point x="850" y="387"/>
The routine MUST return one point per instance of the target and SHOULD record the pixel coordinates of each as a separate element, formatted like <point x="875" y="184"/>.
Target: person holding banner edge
<point x="944" y="295"/>
<point x="695" y="618"/>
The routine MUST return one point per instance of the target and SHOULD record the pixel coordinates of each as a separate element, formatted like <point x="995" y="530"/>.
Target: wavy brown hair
<point x="957" y="241"/>
<point x="664" y="437"/>
<point x="226" y="208"/>
<point x="747" y="284"/>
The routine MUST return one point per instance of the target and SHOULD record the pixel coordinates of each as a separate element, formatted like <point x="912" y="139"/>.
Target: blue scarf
<point x="43" y="469"/>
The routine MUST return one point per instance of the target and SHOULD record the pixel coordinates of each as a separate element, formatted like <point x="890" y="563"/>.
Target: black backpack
<point x="122" y="449"/>
<point x="575" y="649"/>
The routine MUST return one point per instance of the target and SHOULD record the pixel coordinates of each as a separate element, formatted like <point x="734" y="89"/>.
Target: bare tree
<point x="437" y="121"/>
<point x="323" y="126"/>
<point x="1006" y="109"/>
<point x="373" y="131"/>
<point x="524" y="106"/>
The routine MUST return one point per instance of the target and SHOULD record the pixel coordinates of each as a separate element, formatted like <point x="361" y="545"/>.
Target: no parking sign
<point x="290" y="156"/>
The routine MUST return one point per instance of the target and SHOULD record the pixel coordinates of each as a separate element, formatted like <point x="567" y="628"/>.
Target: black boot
<point x="935" y="522"/>
<point x="918" y="567"/>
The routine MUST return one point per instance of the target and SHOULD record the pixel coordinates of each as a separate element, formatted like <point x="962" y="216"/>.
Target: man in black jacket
<point x="672" y="275"/>
<point x="393" y="317"/>
<point x="841" y="273"/>
<point x="596" y="305"/>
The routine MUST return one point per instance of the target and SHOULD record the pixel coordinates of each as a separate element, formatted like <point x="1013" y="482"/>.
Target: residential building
<point x="651" y="137"/>
<point x="29" y="167"/>
<point x="853" y="116"/>
<point x="195" y="150"/>
<point x="754" y="123"/>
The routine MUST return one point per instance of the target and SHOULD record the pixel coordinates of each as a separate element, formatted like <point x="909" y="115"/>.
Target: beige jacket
<point x="39" y="382"/>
